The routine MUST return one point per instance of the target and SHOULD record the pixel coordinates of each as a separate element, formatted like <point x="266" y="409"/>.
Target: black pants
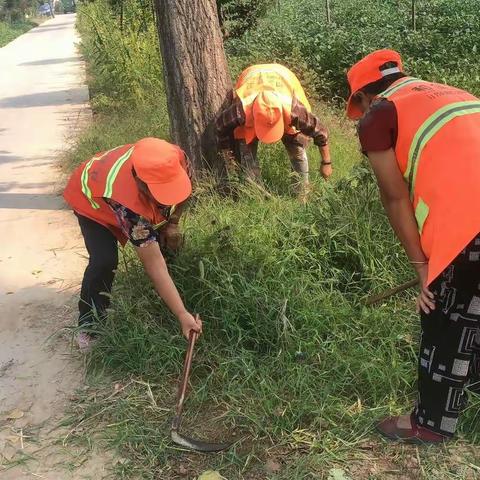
<point x="450" y="347"/>
<point x="98" y="277"/>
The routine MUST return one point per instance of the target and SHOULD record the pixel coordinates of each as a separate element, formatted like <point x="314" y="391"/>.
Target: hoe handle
<point x="393" y="291"/>
<point x="182" y="388"/>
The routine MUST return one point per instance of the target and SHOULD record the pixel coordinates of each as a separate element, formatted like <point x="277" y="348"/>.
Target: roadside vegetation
<point x="16" y="18"/>
<point x="291" y="364"/>
<point x="10" y="31"/>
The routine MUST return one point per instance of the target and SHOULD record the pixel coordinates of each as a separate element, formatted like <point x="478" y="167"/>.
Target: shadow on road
<point x="27" y="201"/>
<point x="50" y="61"/>
<point x="8" y="186"/>
<point x="49" y="29"/>
<point x="45" y="99"/>
<point x="59" y="24"/>
<point x="7" y="158"/>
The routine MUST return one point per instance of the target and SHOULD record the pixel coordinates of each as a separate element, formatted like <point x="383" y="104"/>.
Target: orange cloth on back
<point x="110" y="175"/>
<point x="439" y="126"/>
<point x="273" y="78"/>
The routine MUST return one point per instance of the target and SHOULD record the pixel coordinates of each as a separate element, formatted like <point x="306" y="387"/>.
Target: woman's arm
<point x="397" y="204"/>
<point x="157" y="270"/>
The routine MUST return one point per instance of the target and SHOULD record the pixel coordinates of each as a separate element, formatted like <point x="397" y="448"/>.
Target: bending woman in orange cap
<point x="423" y="142"/>
<point x="127" y="194"/>
<point x="269" y="105"/>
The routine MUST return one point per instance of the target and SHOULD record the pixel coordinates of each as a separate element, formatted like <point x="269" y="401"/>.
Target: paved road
<point x="43" y="101"/>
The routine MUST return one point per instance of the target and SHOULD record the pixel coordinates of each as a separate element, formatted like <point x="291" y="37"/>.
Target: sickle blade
<point x="197" y="445"/>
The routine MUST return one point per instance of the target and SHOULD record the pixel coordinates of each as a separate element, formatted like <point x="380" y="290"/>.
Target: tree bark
<point x="197" y="81"/>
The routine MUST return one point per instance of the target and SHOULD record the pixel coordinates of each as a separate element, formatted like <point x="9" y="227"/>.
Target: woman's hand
<point x="171" y="238"/>
<point x="326" y="170"/>
<point x="426" y="299"/>
<point x="188" y="322"/>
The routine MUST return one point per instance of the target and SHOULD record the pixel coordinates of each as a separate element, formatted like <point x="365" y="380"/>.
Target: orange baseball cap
<point x="159" y="164"/>
<point x="367" y="71"/>
<point x="268" y="117"/>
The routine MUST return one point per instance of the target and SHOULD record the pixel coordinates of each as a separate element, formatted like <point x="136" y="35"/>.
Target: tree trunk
<point x="327" y="8"/>
<point x="197" y="81"/>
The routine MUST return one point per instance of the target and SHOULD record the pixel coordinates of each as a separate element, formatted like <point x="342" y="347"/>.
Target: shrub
<point x="443" y="48"/>
<point x="238" y="16"/>
<point x="125" y="55"/>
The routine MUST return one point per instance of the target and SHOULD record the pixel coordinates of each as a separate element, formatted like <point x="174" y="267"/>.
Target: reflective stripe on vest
<point x="398" y="85"/>
<point x="85" y="188"/>
<point x="429" y="128"/>
<point x="112" y="174"/>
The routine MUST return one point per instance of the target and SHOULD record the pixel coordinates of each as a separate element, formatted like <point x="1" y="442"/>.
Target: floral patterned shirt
<point x="136" y="228"/>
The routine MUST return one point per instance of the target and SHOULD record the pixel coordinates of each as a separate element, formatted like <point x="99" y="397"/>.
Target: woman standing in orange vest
<point x="122" y="195"/>
<point x="423" y="142"/>
<point x="269" y="105"/>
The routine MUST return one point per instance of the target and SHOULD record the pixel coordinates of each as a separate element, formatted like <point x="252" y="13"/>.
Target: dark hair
<point x="381" y="85"/>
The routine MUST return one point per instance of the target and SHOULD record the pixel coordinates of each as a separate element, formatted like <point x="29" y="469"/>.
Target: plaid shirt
<point x="303" y="120"/>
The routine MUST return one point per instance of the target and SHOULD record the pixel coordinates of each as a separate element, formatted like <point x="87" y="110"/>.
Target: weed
<point x="10" y="31"/>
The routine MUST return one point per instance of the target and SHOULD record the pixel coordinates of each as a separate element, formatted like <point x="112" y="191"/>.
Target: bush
<point x="125" y="56"/>
<point x="238" y="16"/>
<point x="10" y="31"/>
<point x="443" y="48"/>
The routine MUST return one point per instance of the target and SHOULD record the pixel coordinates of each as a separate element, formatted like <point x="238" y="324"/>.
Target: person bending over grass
<point x="130" y="193"/>
<point x="423" y="142"/>
<point x="269" y="105"/>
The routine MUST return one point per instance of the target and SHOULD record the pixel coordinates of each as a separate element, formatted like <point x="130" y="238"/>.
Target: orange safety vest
<point x="438" y="152"/>
<point x="109" y="175"/>
<point x="268" y="77"/>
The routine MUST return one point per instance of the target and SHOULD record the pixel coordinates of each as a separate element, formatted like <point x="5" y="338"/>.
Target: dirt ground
<point x="44" y="102"/>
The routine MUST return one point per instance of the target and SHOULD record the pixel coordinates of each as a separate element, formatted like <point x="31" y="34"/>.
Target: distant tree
<point x="16" y="10"/>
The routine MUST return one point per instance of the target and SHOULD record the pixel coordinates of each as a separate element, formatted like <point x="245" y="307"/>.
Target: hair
<point x="141" y="184"/>
<point x="381" y="85"/>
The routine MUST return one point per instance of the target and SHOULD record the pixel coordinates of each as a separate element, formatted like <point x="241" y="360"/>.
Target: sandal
<point x="403" y="428"/>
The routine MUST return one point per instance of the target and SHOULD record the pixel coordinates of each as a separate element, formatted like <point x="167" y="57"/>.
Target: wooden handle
<point x="393" y="291"/>
<point x="182" y="387"/>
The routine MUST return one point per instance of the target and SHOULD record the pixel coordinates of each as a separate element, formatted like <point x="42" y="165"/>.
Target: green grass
<point x="291" y="365"/>
<point x="10" y="31"/>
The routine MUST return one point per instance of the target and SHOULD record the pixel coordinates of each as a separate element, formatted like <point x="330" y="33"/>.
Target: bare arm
<point x="397" y="204"/>
<point x="229" y="119"/>
<point x="310" y="125"/>
<point x="157" y="270"/>
<point x="396" y="201"/>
